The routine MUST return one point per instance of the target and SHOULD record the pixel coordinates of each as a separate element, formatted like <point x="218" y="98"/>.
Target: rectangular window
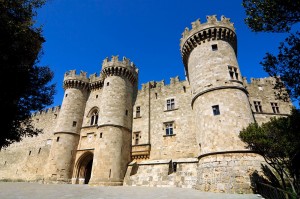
<point x="136" y="138"/>
<point x="170" y="104"/>
<point x="233" y="73"/>
<point x="216" y="110"/>
<point x="275" y="107"/>
<point x="214" y="47"/>
<point x="138" y="111"/>
<point x="169" y="128"/>
<point x="74" y="124"/>
<point x="257" y="106"/>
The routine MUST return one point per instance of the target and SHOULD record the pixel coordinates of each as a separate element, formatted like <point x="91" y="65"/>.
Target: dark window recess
<point x="184" y="89"/>
<point x="136" y="138"/>
<point x="233" y="72"/>
<point x="138" y="111"/>
<point x="100" y="135"/>
<point x="275" y="107"/>
<point x="57" y="139"/>
<point x="257" y="106"/>
<point x="96" y="96"/>
<point x="169" y="128"/>
<point x="216" y="110"/>
<point x="170" y="104"/>
<point x="29" y="152"/>
<point x="155" y="95"/>
<point x="107" y="84"/>
<point x="94" y="118"/>
<point x="126" y="112"/>
<point x="39" y="150"/>
<point x="74" y="124"/>
<point x="66" y="95"/>
<point x="214" y="47"/>
<point x="174" y="164"/>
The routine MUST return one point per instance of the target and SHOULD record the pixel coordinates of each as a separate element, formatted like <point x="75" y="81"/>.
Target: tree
<point x="278" y="141"/>
<point x="279" y="16"/>
<point x="25" y="86"/>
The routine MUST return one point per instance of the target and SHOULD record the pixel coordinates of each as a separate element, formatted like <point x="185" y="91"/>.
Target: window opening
<point x="107" y="84"/>
<point x="214" y="47"/>
<point x="275" y="107"/>
<point x="39" y="151"/>
<point x="96" y="96"/>
<point x="258" y="107"/>
<point x="136" y="138"/>
<point x="138" y="111"/>
<point x="66" y="95"/>
<point x="155" y="95"/>
<point x="57" y="139"/>
<point x="126" y="112"/>
<point x="184" y="89"/>
<point x="100" y="135"/>
<point x="74" y="124"/>
<point x="169" y="128"/>
<point x="233" y="72"/>
<point x="216" y="110"/>
<point x="170" y="104"/>
<point x="94" y="118"/>
<point x="29" y="152"/>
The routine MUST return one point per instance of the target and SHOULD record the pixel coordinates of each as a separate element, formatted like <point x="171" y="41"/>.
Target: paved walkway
<point x="23" y="190"/>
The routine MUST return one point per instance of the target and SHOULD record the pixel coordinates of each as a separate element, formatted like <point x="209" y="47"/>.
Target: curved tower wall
<point x="112" y="155"/>
<point x="209" y="54"/>
<point x="68" y="127"/>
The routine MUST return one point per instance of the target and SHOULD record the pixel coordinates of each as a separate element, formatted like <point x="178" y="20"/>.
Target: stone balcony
<point x="141" y="151"/>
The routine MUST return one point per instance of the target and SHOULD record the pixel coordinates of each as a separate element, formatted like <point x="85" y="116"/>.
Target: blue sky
<point x="81" y="33"/>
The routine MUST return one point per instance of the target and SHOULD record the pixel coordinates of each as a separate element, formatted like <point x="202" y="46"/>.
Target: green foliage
<point x="278" y="141"/>
<point x="279" y="16"/>
<point x="25" y="86"/>
<point x="286" y="65"/>
<point x="271" y="15"/>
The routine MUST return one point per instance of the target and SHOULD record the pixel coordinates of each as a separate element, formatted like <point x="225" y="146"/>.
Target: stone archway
<point x="83" y="168"/>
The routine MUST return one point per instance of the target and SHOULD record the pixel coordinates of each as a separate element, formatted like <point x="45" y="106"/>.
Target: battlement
<point x="209" y="31"/>
<point x="212" y="22"/>
<point x="72" y="80"/>
<point x="124" y="67"/>
<point x="54" y="109"/>
<point x="160" y="84"/>
<point x="263" y="81"/>
<point x="114" y="61"/>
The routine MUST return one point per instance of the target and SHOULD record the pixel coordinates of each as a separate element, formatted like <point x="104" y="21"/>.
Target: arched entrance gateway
<point x="83" y="168"/>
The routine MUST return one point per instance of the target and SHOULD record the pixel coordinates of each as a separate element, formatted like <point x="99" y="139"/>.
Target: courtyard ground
<point x="24" y="190"/>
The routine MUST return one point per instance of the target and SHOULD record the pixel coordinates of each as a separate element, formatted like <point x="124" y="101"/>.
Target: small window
<point x="214" y="47"/>
<point x="66" y="95"/>
<point x="39" y="150"/>
<point x="233" y="73"/>
<point x="57" y="139"/>
<point x="170" y="104"/>
<point x="126" y="112"/>
<point x="155" y="95"/>
<point x="169" y="128"/>
<point x="138" y="111"/>
<point x="136" y="138"/>
<point x="184" y="89"/>
<point x="74" y="124"/>
<point x="94" y="118"/>
<point x="100" y="135"/>
<point x="96" y="96"/>
<point x="107" y="84"/>
<point x="29" y="152"/>
<point x="55" y="116"/>
<point x="275" y="107"/>
<point x="216" y="110"/>
<point x="257" y="106"/>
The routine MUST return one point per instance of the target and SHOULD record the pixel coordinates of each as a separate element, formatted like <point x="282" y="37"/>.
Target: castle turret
<point x="69" y="123"/>
<point x="219" y="98"/>
<point x="112" y="153"/>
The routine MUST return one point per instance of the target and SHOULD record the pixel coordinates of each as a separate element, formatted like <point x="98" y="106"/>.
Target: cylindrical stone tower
<point x="112" y="153"/>
<point x="219" y="99"/>
<point x="69" y="123"/>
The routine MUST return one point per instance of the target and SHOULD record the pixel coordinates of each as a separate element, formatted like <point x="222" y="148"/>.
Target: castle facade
<point x="182" y="134"/>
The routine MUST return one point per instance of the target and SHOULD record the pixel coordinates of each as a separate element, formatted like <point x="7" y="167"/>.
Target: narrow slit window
<point x="138" y="111"/>
<point x="57" y="139"/>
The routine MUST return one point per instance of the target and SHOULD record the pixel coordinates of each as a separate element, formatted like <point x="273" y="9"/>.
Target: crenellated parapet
<point x="96" y="82"/>
<point x="73" y="80"/>
<point x="201" y="33"/>
<point x="115" y="67"/>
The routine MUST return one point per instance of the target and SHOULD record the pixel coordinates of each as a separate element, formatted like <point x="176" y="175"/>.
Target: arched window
<point x="94" y="117"/>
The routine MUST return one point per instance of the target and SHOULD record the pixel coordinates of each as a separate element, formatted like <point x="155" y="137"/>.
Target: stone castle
<point x="182" y="134"/>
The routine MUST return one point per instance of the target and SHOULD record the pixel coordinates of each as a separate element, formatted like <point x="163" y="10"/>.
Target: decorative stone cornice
<point x="125" y="68"/>
<point x="211" y="30"/>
